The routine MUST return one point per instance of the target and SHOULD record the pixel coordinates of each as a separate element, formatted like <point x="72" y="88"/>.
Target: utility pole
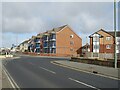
<point x="115" y="46"/>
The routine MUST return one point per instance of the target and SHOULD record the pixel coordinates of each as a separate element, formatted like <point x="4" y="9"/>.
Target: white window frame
<point x="108" y="38"/>
<point x="108" y="46"/>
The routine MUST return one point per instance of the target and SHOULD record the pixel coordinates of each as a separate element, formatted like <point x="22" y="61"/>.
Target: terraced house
<point x="58" y="41"/>
<point x="103" y="42"/>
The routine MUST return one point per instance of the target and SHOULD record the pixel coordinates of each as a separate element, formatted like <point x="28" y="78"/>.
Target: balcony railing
<point x="53" y="46"/>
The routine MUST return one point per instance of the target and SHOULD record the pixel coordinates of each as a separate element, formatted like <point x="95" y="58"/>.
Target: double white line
<point x="12" y="82"/>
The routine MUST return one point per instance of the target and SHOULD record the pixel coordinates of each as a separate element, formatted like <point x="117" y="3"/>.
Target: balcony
<point x="37" y="42"/>
<point x="52" y="37"/>
<point x="45" y="45"/>
<point x="53" y="46"/>
<point x="45" y="39"/>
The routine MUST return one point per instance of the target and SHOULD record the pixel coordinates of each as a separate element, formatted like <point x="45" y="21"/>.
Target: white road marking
<point x="12" y="82"/>
<point x="47" y="70"/>
<point x="43" y="68"/>
<point x="83" y="83"/>
<point x="9" y="79"/>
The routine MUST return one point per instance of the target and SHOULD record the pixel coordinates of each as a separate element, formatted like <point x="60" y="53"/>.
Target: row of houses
<point x="63" y="41"/>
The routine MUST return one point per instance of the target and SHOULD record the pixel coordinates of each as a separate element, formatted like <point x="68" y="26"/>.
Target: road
<point x="39" y="72"/>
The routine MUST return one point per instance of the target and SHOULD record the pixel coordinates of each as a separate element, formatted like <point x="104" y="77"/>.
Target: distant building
<point x="85" y="49"/>
<point x="58" y="41"/>
<point x="23" y="47"/>
<point x="103" y="42"/>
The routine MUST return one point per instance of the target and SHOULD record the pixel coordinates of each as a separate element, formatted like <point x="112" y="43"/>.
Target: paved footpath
<point x="99" y="70"/>
<point x="4" y="82"/>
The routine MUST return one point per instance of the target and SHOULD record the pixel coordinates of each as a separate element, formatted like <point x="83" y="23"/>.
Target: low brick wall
<point x="108" y="63"/>
<point x="47" y="54"/>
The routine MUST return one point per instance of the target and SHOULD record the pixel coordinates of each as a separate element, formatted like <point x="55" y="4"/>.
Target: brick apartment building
<point x="35" y="44"/>
<point x="58" y="41"/>
<point x="103" y="42"/>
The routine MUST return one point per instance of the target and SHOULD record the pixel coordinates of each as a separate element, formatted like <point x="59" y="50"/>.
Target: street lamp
<point x="115" y="54"/>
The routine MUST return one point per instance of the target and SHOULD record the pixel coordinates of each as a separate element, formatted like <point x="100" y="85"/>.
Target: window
<point x="45" y="44"/>
<point x="71" y="36"/>
<point x="71" y="42"/>
<point x="108" y="38"/>
<point x="71" y="49"/>
<point x="37" y="45"/>
<point x="108" y="46"/>
<point x="118" y="47"/>
<point x="53" y="36"/>
<point x="96" y="39"/>
<point x="96" y="46"/>
<point x="53" y="50"/>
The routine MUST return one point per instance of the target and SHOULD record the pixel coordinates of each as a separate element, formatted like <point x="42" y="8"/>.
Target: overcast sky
<point x="21" y="20"/>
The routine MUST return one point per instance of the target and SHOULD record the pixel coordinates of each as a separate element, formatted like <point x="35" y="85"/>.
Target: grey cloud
<point x="39" y="17"/>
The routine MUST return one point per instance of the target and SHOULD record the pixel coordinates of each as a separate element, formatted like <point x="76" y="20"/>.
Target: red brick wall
<point x="91" y="45"/>
<point x="63" y="42"/>
<point x="103" y="49"/>
<point x="103" y="43"/>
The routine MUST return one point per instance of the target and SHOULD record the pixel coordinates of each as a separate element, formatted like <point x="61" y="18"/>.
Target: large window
<point x="52" y="44"/>
<point x="45" y="37"/>
<point x="96" y="43"/>
<point x="96" y="47"/>
<point x="96" y="38"/>
<point x="45" y="44"/>
<point x="53" y="36"/>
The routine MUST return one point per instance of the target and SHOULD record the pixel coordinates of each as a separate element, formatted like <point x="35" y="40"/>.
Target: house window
<point x="71" y="49"/>
<point x="108" y="38"/>
<point x="71" y="42"/>
<point x="108" y="46"/>
<point x="71" y="36"/>
<point x="96" y="39"/>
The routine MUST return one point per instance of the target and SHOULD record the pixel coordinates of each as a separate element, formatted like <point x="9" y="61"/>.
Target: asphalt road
<point x="38" y="72"/>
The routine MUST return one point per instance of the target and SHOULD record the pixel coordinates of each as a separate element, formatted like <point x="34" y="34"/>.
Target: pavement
<point x="99" y="70"/>
<point x="4" y="79"/>
<point x="39" y="72"/>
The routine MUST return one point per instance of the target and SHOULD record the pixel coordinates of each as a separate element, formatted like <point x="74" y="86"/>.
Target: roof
<point x="97" y="33"/>
<point x="113" y="33"/>
<point x="54" y="30"/>
<point x="110" y="33"/>
<point x="26" y="41"/>
<point x="87" y="45"/>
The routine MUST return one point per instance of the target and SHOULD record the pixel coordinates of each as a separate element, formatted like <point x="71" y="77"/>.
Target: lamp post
<point x="115" y="54"/>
